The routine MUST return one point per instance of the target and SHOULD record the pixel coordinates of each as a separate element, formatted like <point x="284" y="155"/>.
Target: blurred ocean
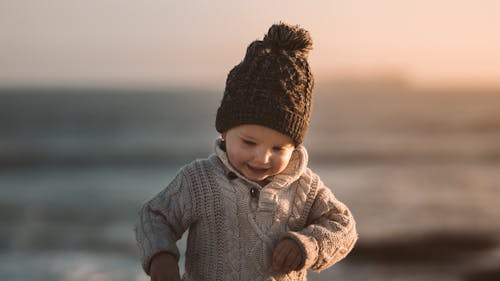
<point x="420" y="170"/>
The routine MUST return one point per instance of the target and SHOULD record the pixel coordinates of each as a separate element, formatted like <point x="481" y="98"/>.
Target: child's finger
<point x="278" y="257"/>
<point x="280" y="254"/>
<point x="294" y="265"/>
<point x="292" y="261"/>
<point x="285" y="255"/>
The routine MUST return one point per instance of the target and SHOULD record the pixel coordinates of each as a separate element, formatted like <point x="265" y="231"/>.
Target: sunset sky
<point x="154" y="43"/>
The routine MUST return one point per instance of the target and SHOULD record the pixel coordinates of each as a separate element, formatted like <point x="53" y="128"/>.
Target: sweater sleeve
<point x="163" y="220"/>
<point x="330" y="232"/>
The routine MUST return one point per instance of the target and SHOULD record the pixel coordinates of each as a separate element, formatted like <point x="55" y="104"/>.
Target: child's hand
<point x="164" y="268"/>
<point x="287" y="256"/>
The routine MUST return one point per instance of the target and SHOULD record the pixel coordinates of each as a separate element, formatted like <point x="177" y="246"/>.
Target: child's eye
<point x="278" y="149"/>
<point x="247" y="142"/>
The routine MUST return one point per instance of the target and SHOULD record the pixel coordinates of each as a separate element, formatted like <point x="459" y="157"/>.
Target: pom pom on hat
<point x="289" y="38"/>
<point x="272" y="86"/>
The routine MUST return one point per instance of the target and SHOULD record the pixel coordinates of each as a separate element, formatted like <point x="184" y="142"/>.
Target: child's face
<point x="258" y="152"/>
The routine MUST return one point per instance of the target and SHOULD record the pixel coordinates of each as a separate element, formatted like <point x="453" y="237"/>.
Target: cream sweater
<point x="233" y="230"/>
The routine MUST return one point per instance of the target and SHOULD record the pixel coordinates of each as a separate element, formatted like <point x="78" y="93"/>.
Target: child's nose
<point x="263" y="156"/>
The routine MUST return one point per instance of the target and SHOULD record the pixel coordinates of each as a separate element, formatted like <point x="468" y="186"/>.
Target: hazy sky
<point x="195" y="43"/>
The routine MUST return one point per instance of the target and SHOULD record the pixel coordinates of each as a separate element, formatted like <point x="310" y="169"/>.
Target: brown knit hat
<point x="272" y="86"/>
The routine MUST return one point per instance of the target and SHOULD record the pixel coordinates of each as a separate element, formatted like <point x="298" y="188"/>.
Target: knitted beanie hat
<point x="272" y="86"/>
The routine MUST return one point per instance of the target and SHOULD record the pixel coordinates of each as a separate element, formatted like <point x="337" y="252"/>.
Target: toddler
<point x="254" y="210"/>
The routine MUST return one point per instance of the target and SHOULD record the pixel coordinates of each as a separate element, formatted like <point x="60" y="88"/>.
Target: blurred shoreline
<point x="82" y="127"/>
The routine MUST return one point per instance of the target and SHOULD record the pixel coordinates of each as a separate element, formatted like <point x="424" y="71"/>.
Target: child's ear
<point x="223" y="136"/>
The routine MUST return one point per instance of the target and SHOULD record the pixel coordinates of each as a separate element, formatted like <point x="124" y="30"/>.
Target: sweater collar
<point x="296" y="167"/>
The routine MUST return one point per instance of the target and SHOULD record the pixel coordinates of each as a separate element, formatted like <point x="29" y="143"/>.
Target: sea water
<point x="420" y="170"/>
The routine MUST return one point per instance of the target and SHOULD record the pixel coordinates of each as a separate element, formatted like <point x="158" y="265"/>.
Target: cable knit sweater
<point x="234" y="223"/>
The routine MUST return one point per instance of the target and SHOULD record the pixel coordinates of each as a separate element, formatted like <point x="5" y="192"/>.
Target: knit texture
<point x="232" y="234"/>
<point x="272" y="86"/>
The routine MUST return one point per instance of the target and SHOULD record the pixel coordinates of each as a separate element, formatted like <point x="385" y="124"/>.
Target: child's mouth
<point x="257" y="170"/>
